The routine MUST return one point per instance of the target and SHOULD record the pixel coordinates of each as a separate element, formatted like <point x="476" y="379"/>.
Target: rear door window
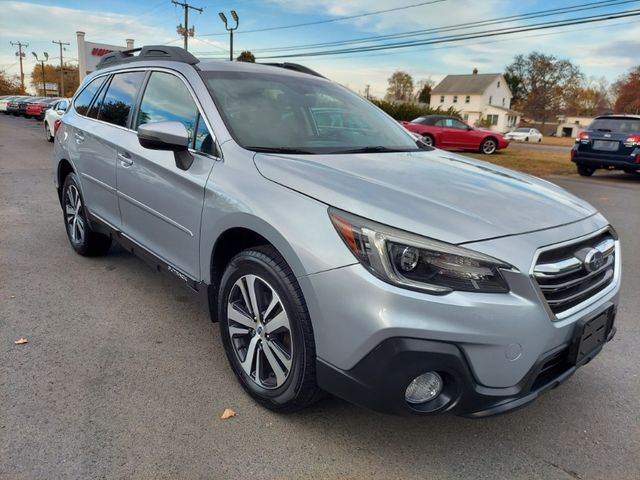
<point x="120" y="97"/>
<point x="83" y="100"/>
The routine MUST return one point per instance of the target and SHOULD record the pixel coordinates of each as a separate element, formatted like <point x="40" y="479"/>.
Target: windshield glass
<point x="619" y="124"/>
<point x="523" y="130"/>
<point x="285" y="113"/>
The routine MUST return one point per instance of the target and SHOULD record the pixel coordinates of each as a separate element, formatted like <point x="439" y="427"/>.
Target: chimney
<point x="475" y="71"/>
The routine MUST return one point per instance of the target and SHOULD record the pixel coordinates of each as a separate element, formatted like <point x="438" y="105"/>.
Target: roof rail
<point x="296" y="67"/>
<point x="148" y="52"/>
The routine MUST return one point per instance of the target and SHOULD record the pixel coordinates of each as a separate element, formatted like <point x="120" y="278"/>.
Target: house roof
<point x="473" y="83"/>
<point x="505" y="109"/>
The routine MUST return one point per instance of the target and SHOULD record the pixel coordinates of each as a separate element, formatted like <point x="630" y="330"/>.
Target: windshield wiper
<point x="280" y="150"/>
<point x="376" y="149"/>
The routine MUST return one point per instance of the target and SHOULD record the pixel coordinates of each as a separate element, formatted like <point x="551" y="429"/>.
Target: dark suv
<point x="611" y="142"/>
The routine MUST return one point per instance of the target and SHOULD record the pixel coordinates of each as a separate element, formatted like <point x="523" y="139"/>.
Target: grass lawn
<point x="560" y="141"/>
<point x="540" y="163"/>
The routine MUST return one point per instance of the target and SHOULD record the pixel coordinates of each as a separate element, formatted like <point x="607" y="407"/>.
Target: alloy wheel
<point x="488" y="147"/>
<point x="427" y="140"/>
<point x="73" y="214"/>
<point x="260" y="331"/>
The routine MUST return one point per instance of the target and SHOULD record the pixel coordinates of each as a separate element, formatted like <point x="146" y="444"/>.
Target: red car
<point x="451" y="133"/>
<point x="37" y="108"/>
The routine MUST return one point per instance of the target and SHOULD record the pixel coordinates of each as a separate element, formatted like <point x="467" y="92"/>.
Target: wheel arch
<point x="63" y="169"/>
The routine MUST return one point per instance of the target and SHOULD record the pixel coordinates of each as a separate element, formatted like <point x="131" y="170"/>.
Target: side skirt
<point x="198" y="288"/>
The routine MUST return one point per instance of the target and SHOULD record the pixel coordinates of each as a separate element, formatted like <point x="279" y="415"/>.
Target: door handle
<point x="125" y="159"/>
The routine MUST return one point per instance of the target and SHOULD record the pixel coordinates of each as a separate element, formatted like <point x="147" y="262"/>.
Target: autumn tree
<point x="588" y="98"/>
<point x="400" y="86"/>
<point x="423" y="90"/>
<point x="9" y="85"/>
<point x="246" y="56"/>
<point x="52" y="75"/>
<point x="542" y="84"/>
<point x="627" y="91"/>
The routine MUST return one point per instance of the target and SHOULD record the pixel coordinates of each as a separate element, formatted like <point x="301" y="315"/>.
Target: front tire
<point x="266" y="330"/>
<point x="585" y="171"/>
<point x="82" y="238"/>
<point x="428" y="140"/>
<point x="488" y="146"/>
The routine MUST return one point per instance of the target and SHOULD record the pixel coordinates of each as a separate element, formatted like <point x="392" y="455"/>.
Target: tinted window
<point x="167" y="99"/>
<point x="620" y="124"/>
<point x="83" y="101"/>
<point x="120" y="97"/>
<point x="95" y="106"/>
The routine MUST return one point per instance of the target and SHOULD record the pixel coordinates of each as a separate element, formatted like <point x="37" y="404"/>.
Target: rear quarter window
<point x="84" y="98"/>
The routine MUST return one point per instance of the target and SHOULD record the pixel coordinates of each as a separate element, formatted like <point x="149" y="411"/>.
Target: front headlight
<point x="415" y="262"/>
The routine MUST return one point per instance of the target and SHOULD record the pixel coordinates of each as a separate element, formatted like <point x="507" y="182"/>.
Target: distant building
<point x="571" y="126"/>
<point x="476" y="96"/>
<point x="90" y="53"/>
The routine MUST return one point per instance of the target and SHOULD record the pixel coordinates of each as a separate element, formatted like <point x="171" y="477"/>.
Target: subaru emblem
<point x="593" y="260"/>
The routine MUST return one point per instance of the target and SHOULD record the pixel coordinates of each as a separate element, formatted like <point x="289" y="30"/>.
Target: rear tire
<point x="47" y="132"/>
<point x="266" y="330"/>
<point x="82" y="238"/>
<point x="585" y="171"/>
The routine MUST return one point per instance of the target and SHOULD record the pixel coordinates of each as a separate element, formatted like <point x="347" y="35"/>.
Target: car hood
<point x="435" y="194"/>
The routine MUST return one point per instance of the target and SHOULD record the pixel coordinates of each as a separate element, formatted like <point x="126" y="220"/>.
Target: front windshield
<point x="285" y="113"/>
<point x="522" y="130"/>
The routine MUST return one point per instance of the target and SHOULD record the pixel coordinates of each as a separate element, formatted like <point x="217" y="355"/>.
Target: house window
<point x="455" y="99"/>
<point x="503" y="101"/>
<point x="467" y="99"/>
<point x="498" y="83"/>
<point x="493" y="119"/>
<point x="465" y="117"/>
<point x="490" y="100"/>
<point x="441" y="98"/>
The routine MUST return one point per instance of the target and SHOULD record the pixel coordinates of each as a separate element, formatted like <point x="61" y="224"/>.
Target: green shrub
<point x="409" y="111"/>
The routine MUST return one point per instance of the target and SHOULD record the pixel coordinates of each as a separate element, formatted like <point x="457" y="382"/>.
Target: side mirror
<point x="169" y="136"/>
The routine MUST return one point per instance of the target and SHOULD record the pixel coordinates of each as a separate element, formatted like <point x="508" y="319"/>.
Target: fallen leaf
<point x="228" y="413"/>
<point x="21" y="341"/>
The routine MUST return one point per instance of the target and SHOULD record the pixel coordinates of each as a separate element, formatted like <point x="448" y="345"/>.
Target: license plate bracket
<point x="606" y="145"/>
<point x="590" y="335"/>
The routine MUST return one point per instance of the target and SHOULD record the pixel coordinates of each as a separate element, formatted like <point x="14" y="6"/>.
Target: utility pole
<point x="21" y="55"/>
<point x="185" y="31"/>
<point x="44" y="84"/>
<point x="223" y="17"/>
<point x="61" y="85"/>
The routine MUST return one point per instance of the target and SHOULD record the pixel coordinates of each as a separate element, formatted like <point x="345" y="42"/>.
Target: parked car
<point x="525" y="135"/>
<point x="610" y="142"/>
<point x="36" y="109"/>
<point x="349" y="259"/>
<point x="4" y="103"/>
<point x="52" y="115"/>
<point x="451" y="133"/>
<point x="18" y="106"/>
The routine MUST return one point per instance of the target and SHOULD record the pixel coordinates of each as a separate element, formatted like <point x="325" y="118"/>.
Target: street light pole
<point x="44" y="84"/>
<point x="223" y="17"/>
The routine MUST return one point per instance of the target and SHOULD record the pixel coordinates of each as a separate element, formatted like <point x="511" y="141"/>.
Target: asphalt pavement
<point x="124" y="374"/>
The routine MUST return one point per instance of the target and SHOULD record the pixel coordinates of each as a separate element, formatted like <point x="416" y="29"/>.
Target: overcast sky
<point x="600" y="49"/>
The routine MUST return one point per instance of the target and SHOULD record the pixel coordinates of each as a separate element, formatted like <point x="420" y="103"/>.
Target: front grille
<point x="571" y="274"/>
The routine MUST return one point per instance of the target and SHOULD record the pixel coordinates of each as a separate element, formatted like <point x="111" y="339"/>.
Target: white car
<point x="52" y="114"/>
<point x="4" y="101"/>
<point x="525" y="135"/>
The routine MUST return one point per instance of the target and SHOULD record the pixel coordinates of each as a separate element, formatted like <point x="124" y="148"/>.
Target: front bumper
<point x="380" y="379"/>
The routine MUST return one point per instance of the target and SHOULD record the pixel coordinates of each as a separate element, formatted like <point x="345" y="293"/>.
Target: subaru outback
<point x="337" y="253"/>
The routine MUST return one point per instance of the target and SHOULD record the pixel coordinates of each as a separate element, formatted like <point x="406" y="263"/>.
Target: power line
<point x="20" y="56"/>
<point x="332" y="20"/>
<point x="184" y="31"/>
<point x="468" y="36"/>
<point x="454" y="27"/>
<point x="61" y="86"/>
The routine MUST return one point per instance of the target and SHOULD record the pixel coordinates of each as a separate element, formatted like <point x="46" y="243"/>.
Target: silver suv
<point x="336" y="253"/>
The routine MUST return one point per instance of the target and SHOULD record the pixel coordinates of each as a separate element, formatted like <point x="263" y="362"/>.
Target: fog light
<point x="423" y="388"/>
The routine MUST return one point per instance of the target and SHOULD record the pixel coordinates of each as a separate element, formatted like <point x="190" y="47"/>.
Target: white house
<point x="476" y="96"/>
